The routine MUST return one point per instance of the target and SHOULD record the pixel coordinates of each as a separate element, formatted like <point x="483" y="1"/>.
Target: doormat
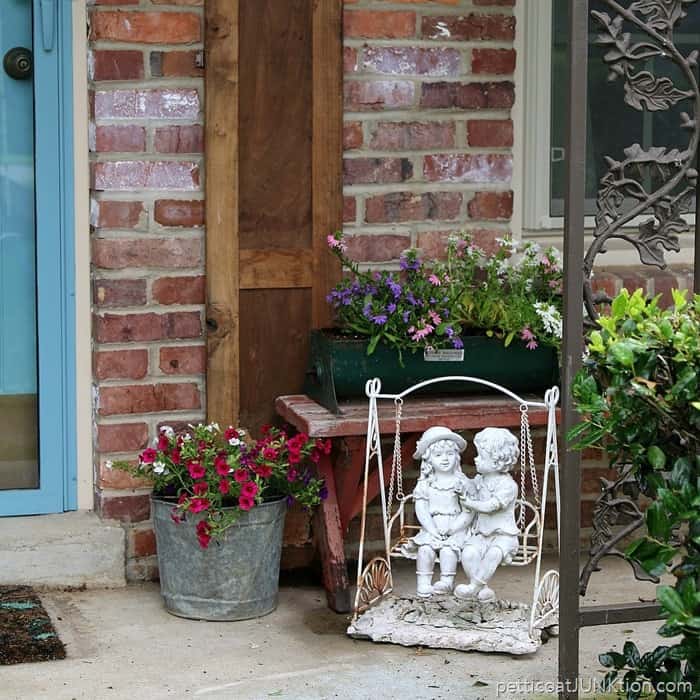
<point x="26" y="631"/>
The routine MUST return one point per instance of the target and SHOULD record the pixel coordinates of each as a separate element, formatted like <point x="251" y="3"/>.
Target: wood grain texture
<point x="276" y="269"/>
<point x="327" y="156"/>
<point x="275" y="124"/>
<point x="418" y="414"/>
<point x="221" y="134"/>
<point x="274" y="349"/>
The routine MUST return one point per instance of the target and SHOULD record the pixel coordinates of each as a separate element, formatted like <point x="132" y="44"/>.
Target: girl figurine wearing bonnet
<point x="439" y="495"/>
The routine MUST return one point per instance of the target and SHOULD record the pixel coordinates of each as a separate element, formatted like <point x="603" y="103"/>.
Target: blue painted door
<point x="37" y="465"/>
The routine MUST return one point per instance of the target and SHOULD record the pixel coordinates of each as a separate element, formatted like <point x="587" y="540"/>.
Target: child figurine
<point x="438" y="496"/>
<point x="494" y="535"/>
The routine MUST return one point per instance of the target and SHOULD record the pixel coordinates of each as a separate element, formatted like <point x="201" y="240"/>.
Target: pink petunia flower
<point x="241" y="475"/>
<point x="196" y="470"/>
<point x="197" y="505"/>
<point x="250" y="488"/>
<point x="149" y="455"/>
<point x="221" y="465"/>
<point x="224" y="486"/>
<point x="245" y="502"/>
<point x="200" y="488"/>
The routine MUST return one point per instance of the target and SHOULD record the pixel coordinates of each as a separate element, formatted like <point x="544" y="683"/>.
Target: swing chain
<point x="396" y="476"/>
<point x="527" y="438"/>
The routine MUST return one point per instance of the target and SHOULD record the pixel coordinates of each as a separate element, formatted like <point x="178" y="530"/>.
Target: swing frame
<point x="375" y="579"/>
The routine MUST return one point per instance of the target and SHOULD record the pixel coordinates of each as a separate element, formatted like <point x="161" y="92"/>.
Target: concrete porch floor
<point x="122" y="645"/>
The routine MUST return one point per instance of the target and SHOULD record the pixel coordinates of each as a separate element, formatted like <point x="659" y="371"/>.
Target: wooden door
<point x="274" y="192"/>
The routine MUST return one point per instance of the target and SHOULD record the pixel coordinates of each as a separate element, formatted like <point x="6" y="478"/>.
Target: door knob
<point x="18" y="63"/>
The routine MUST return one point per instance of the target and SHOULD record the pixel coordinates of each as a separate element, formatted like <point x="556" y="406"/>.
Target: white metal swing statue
<point x="481" y="522"/>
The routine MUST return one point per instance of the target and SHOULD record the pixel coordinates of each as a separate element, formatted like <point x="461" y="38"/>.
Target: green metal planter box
<point x="339" y="367"/>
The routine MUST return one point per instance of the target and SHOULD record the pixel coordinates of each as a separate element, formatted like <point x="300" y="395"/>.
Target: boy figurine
<point x="494" y="534"/>
<point x="438" y="495"/>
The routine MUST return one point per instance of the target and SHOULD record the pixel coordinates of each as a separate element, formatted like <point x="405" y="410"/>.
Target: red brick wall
<point x="147" y="235"/>
<point x="428" y="131"/>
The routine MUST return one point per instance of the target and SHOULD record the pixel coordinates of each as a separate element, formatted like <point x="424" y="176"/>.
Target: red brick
<point x="125" y="437"/>
<point x="349" y="209"/>
<point x="118" y="253"/>
<point x="493" y="61"/>
<point x="469" y="28"/>
<point x="664" y="282"/>
<point x="434" y="244"/>
<point x="591" y="476"/>
<point x="349" y="60"/>
<point x="376" y="170"/>
<point x="113" y="214"/>
<point x="125" y="328"/>
<point x="192" y="3"/>
<point x="500" y="3"/>
<point x="161" y="103"/>
<point x="152" y="175"/>
<point x="127" y="509"/>
<point x="463" y="167"/>
<point x="148" y="398"/>
<point x="175" y="64"/>
<point x="183" y="360"/>
<point x="376" y="95"/>
<point x="486" y="239"/>
<point x="117" y="65"/>
<point x="179" y="212"/>
<point x="412" y="61"/>
<point x="142" y="543"/>
<point x="118" y="479"/>
<point x="373" y="24"/>
<point x="491" y="206"/>
<point x="146" y="27"/>
<point x="121" y="364"/>
<point x="381" y="248"/>
<point x="605" y="282"/>
<point x="116" y="2"/>
<point x="416" y="2"/>
<point x="631" y="278"/>
<point x="122" y="139"/>
<point x="410" y="136"/>
<point x="467" y="95"/>
<point x="179" y="290"/>
<point x="352" y="135"/>
<point x="179" y="139"/>
<point x="119" y="292"/>
<point x="407" y="206"/>
<point x="486" y="133"/>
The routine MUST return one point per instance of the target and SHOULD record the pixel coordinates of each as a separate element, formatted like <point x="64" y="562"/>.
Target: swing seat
<point x="528" y="538"/>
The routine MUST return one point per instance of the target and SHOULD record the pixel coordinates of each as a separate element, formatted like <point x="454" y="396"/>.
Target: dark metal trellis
<point x="657" y="184"/>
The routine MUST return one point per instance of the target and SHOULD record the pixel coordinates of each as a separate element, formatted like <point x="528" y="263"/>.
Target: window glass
<point x="612" y="124"/>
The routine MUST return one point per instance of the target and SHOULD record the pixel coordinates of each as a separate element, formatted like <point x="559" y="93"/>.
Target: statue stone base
<point x="443" y="622"/>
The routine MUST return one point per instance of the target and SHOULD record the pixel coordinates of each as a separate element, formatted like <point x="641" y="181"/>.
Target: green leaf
<point x="651" y="554"/>
<point x="679" y="298"/>
<point x="658" y="522"/>
<point x="612" y="659"/>
<point x="372" y="346"/>
<point x="623" y="353"/>
<point x="670" y="600"/>
<point x="619" y="304"/>
<point x="631" y="653"/>
<point x="656" y="457"/>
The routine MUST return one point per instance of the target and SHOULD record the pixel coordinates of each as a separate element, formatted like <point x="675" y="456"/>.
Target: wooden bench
<point x="348" y="432"/>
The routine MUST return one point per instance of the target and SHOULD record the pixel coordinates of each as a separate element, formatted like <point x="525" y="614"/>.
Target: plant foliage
<point x="639" y="394"/>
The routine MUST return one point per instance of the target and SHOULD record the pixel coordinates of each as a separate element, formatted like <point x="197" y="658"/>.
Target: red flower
<point x="250" y="488"/>
<point x="203" y="535"/>
<point x="263" y="471"/>
<point x="182" y="498"/>
<point x="221" y="465"/>
<point x="200" y="488"/>
<point x="196" y="470"/>
<point x="241" y="475"/>
<point x="270" y="453"/>
<point x="224" y="486"/>
<point x="315" y="455"/>
<point x="327" y="446"/>
<point x="149" y="455"/>
<point x="175" y="456"/>
<point x="292" y="475"/>
<point x="294" y="457"/>
<point x="230" y="432"/>
<point x="246" y="502"/>
<point x="197" y="505"/>
<point x="175" y="515"/>
<point x="163" y="442"/>
<point x="202" y="445"/>
<point x="265" y="429"/>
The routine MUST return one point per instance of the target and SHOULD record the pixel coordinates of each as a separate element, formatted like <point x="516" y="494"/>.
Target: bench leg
<point x="330" y="541"/>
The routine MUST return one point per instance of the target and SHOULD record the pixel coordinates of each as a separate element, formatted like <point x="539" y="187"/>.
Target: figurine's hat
<point x="437" y="432"/>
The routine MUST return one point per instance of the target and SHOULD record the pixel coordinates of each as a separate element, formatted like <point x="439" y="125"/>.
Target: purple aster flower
<point x="380" y="319"/>
<point x="405" y="316"/>
<point x="445" y="313"/>
<point x="433" y="300"/>
<point x="391" y="307"/>
<point x="411" y="299"/>
<point x="367" y="311"/>
<point x="457" y="343"/>
<point x="323" y="493"/>
<point x="449" y="331"/>
<point x="290" y="500"/>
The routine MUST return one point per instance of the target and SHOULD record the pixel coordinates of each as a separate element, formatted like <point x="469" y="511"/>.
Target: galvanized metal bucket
<point x="235" y="579"/>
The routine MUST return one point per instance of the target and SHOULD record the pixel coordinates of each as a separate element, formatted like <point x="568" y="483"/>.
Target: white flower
<point x="551" y="318"/>
<point x="234" y="442"/>
<point x="169" y="432"/>
<point x="159" y="468"/>
<point x="186" y="437"/>
<point x="213" y="427"/>
<point x="241" y="432"/>
<point x="109" y="464"/>
<point x="502" y="268"/>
